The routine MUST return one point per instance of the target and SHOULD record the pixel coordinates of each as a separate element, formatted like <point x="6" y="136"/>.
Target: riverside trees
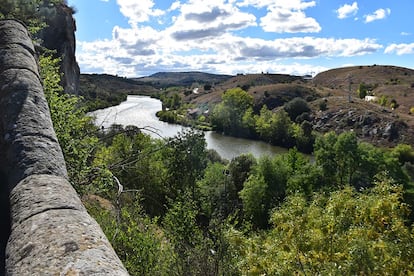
<point x="235" y="116"/>
<point x="167" y="207"/>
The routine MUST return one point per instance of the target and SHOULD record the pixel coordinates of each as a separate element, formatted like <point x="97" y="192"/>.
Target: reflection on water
<point x="140" y="111"/>
<point x="230" y="147"/>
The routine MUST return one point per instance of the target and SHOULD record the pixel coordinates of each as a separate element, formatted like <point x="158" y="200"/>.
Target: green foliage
<point x="404" y="153"/>
<point x="296" y="107"/>
<point x="264" y="189"/>
<point x="168" y="116"/>
<point x="137" y="239"/>
<point x="304" y="137"/>
<point x="254" y="198"/>
<point x="134" y="159"/>
<point x="214" y="189"/>
<point x="337" y="156"/>
<point x="363" y="90"/>
<point x="172" y="102"/>
<point x="74" y="130"/>
<point x="275" y="127"/>
<point x="342" y="233"/>
<point x="227" y="116"/>
<point x="194" y="250"/>
<point x="345" y="161"/>
<point x="185" y="161"/>
<point x="383" y="100"/>
<point x="323" y="105"/>
<point x="240" y="168"/>
<point x="29" y="12"/>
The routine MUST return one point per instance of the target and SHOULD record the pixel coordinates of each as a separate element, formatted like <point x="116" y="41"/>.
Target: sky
<point x="134" y="38"/>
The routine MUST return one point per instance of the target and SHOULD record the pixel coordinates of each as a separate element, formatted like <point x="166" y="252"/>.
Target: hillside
<point x="167" y="79"/>
<point x="391" y="81"/>
<point x="374" y="122"/>
<point x="102" y="90"/>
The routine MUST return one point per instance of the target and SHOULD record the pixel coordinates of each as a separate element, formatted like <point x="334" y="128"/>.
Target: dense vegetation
<point x="173" y="207"/>
<point x="234" y="115"/>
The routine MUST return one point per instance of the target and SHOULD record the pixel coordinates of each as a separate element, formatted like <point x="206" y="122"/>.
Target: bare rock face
<point x="50" y="232"/>
<point x="60" y="36"/>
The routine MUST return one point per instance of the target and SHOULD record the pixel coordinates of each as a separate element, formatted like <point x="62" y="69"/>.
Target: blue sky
<point x="135" y="38"/>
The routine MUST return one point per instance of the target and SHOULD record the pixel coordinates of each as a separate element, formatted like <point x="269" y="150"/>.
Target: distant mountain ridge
<point x="163" y="79"/>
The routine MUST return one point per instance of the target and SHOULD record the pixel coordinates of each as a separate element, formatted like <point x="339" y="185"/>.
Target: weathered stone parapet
<point x="51" y="232"/>
<point x="28" y="142"/>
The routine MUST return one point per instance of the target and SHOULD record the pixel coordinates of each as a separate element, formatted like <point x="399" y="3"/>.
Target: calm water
<point x="140" y="111"/>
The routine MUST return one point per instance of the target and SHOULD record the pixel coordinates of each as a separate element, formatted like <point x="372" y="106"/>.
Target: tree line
<point x="172" y="206"/>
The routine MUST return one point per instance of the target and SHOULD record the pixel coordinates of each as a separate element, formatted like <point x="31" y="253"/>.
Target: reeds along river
<point x="140" y="111"/>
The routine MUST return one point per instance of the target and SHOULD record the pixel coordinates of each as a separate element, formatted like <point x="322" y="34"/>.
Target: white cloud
<point x="377" y="15"/>
<point x="199" y="20"/>
<point x="138" y="11"/>
<point x="281" y="20"/>
<point x="400" y="49"/>
<point x="285" y="16"/>
<point x="405" y="34"/>
<point x="289" y="5"/>
<point x="175" y="6"/>
<point x="347" y="10"/>
<point x="143" y="51"/>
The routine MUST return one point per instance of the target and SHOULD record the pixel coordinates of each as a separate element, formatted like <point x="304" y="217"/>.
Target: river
<point x="140" y="111"/>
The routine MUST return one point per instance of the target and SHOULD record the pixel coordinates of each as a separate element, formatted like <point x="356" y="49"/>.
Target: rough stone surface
<point x="60" y="36"/>
<point x="51" y="231"/>
<point x="60" y="242"/>
<point x="39" y="193"/>
<point x="28" y="141"/>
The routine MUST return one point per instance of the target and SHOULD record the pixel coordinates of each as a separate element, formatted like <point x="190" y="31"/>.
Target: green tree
<point x="240" y="168"/>
<point x="185" y="160"/>
<point x="228" y="115"/>
<point x="214" y="189"/>
<point x="135" y="160"/>
<point x="362" y="90"/>
<point x="275" y="127"/>
<point x="342" y="233"/>
<point x="193" y="249"/>
<point x="254" y="198"/>
<point x="337" y="156"/>
<point x="296" y="107"/>
<point x="264" y="189"/>
<point x="140" y="243"/>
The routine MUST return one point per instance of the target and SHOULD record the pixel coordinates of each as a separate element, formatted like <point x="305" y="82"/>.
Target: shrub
<point x="296" y="107"/>
<point x="323" y="105"/>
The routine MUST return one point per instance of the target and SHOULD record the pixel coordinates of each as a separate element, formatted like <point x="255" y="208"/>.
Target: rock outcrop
<point x="59" y="35"/>
<point x="51" y="232"/>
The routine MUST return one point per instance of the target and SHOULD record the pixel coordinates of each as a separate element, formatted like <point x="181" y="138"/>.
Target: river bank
<point x="141" y="111"/>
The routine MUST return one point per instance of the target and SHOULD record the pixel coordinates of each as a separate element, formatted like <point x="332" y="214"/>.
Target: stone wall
<point x="50" y="232"/>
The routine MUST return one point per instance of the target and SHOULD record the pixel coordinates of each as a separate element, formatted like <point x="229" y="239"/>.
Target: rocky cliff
<point x="50" y="231"/>
<point x="59" y="35"/>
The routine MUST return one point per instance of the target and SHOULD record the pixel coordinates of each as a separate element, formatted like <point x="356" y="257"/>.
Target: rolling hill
<point x="384" y="123"/>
